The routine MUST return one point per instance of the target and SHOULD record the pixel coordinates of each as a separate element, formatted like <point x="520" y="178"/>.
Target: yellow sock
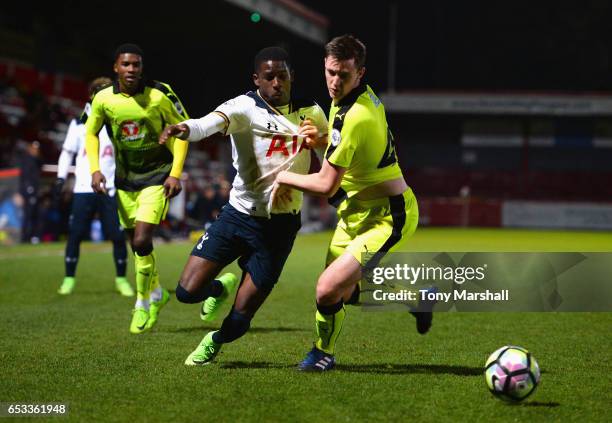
<point x="144" y="267"/>
<point x="328" y="329"/>
<point x="155" y="277"/>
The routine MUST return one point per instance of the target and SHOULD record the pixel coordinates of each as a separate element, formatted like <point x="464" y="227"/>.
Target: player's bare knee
<point x="326" y="293"/>
<point x="142" y="245"/>
<point x="191" y="279"/>
<point x="188" y="281"/>
<point x="351" y="295"/>
<point x="184" y="295"/>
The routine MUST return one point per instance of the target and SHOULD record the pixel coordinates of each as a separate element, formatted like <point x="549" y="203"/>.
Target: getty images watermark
<point x="413" y="274"/>
<point x="488" y="281"/>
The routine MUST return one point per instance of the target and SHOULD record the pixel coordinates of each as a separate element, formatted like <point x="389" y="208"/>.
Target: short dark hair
<point x="347" y="47"/>
<point x="128" y="48"/>
<point x="271" y="53"/>
<point x="97" y="85"/>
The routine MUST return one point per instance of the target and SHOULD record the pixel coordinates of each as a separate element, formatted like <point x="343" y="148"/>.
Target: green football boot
<point x="205" y="352"/>
<point x="124" y="287"/>
<point x="211" y="306"/>
<point x="140" y="317"/>
<point x="67" y="286"/>
<point x="156" y="307"/>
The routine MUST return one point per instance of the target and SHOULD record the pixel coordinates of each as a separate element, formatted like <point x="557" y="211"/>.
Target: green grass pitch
<point x="78" y="350"/>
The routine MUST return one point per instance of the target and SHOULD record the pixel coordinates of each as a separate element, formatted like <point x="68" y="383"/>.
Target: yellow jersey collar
<point x="352" y="97"/>
<point x="139" y="90"/>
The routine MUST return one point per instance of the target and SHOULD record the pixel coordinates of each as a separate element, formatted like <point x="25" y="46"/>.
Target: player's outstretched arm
<point x="199" y="129"/>
<point x="180" y="130"/>
<point x="195" y="129"/>
<point x="323" y="183"/>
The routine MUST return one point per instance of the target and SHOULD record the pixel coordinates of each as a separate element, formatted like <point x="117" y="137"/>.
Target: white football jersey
<point x="75" y="144"/>
<point x="265" y="141"/>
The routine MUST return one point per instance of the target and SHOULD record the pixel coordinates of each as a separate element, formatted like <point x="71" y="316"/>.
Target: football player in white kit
<point x="85" y="203"/>
<point x="269" y="132"/>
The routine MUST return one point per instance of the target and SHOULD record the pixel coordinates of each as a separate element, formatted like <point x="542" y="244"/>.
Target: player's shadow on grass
<point x="366" y="368"/>
<point x="390" y="368"/>
<point x="548" y="404"/>
<point x="202" y="328"/>
<point x="255" y="365"/>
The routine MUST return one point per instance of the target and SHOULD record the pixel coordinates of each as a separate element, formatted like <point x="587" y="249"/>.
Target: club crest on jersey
<point x="179" y="107"/>
<point x="131" y="131"/>
<point x="335" y="137"/>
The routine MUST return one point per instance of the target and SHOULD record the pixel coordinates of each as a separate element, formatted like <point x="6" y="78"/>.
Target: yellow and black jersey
<point x="135" y="122"/>
<point x="361" y="142"/>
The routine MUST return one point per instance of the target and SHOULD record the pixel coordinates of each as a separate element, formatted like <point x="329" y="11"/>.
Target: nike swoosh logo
<point x="143" y="325"/>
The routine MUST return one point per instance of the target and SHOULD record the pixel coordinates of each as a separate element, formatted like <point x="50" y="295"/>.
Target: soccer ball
<point x="512" y="374"/>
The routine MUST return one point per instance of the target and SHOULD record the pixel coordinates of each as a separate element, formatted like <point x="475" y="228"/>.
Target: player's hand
<point x="180" y="131"/>
<point x="58" y="187"/>
<point x="98" y="183"/>
<point x="172" y="186"/>
<point x="57" y="192"/>
<point x="311" y="134"/>
<point x="281" y="194"/>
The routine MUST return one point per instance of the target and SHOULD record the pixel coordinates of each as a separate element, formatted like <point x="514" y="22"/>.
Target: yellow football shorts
<point x="147" y="205"/>
<point x="373" y="226"/>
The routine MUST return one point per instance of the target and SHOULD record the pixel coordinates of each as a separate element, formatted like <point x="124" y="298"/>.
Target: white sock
<point x="142" y="304"/>
<point x="156" y="294"/>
